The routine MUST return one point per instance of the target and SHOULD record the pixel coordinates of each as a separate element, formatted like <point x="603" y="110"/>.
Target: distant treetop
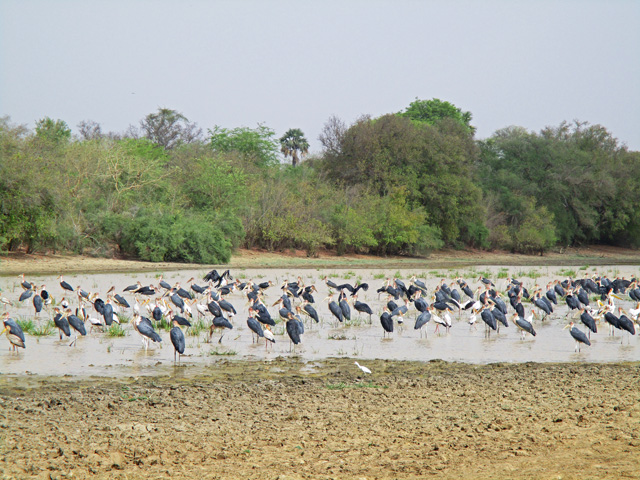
<point x="434" y="110"/>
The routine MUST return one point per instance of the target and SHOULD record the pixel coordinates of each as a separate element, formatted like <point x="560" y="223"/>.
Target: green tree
<point x="434" y="110"/>
<point x="257" y="145"/>
<point x="433" y="164"/>
<point x="294" y="145"/>
<point x="577" y="171"/>
<point x="55" y="131"/>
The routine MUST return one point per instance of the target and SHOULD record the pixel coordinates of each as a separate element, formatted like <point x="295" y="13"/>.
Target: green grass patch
<point x="503" y="273"/>
<point x="485" y="274"/>
<point x="163" y="324"/>
<point x="116" y="330"/>
<point x="584" y="267"/>
<point x="33" y="328"/>
<point x="197" y="328"/>
<point x="567" y="272"/>
<point x="26" y="325"/>
<point x="379" y="276"/>
<point x="44" y="330"/>
<point x="123" y="318"/>
<point x="531" y="274"/>
<point x="354" y="322"/>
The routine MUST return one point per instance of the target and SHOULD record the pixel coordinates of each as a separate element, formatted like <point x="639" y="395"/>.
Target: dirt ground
<point x="16" y="263"/>
<point x="288" y="420"/>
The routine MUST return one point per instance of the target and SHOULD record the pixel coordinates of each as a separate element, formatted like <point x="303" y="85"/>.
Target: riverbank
<point x="17" y="263"/>
<point x="287" y="419"/>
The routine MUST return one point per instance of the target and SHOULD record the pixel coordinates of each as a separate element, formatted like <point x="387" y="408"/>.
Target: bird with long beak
<point x="578" y="336"/>
<point x="15" y="335"/>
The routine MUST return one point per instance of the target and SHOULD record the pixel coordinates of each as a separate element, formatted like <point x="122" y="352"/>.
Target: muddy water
<point x="101" y="355"/>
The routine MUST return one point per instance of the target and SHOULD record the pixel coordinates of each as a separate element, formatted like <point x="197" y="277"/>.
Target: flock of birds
<point x="296" y="301"/>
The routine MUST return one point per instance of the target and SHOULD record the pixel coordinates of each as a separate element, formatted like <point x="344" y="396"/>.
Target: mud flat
<point x="289" y="419"/>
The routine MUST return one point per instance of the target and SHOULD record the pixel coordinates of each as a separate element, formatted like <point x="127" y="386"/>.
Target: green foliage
<point x="433" y="165"/>
<point x="586" y="182"/>
<point x="434" y="110"/>
<point x="116" y="330"/>
<point x="398" y="184"/>
<point x="256" y="145"/>
<point x="54" y="131"/>
<point x="162" y="236"/>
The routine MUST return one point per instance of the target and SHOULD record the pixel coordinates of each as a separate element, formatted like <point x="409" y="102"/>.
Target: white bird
<point x="268" y="336"/>
<point x="364" y="369"/>
<point x="202" y="309"/>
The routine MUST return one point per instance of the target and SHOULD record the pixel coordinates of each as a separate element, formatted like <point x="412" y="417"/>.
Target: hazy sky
<point x="293" y="64"/>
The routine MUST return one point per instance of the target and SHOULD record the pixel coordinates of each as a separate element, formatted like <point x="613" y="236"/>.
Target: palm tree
<point x="293" y="142"/>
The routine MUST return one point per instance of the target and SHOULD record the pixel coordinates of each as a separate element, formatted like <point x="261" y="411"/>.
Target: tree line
<point x="404" y="183"/>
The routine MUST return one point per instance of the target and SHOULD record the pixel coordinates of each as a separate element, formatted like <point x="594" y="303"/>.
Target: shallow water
<point x="98" y="354"/>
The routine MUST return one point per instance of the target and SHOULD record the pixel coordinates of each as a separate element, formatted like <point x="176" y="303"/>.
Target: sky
<point x="295" y="63"/>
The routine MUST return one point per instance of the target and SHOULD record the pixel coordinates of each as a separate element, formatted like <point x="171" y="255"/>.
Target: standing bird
<point x="422" y="320"/>
<point x="334" y="307"/>
<point x="363" y="368"/>
<point x="544" y="306"/>
<point x="487" y="317"/>
<point x="24" y="295"/>
<point x="268" y="337"/>
<point x="386" y="321"/>
<point x="37" y="303"/>
<point x="61" y="322"/>
<point x="254" y="326"/>
<point x="293" y="330"/>
<point x="626" y="323"/>
<point x="362" y="307"/>
<point x="177" y="339"/>
<point x="346" y="310"/>
<point x="309" y="310"/>
<point x="77" y="325"/>
<point x="588" y="321"/>
<point x="145" y="328"/>
<point x="219" y="323"/>
<point x="24" y="284"/>
<point x="15" y="335"/>
<point x="177" y="301"/>
<point x="120" y="300"/>
<point x="65" y="285"/>
<point x="578" y="336"/>
<point x="524" y="325"/>
<point x="46" y="298"/>
<point x="438" y="320"/>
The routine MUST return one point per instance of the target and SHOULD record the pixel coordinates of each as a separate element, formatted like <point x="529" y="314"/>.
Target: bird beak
<point x="5" y="329"/>
<point x="616" y="296"/>
<point x="566" y="326"/>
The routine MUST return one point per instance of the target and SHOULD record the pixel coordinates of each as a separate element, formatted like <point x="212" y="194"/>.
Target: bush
<point x="192" y="238"/>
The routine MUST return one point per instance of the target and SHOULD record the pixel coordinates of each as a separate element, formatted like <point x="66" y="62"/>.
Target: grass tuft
<point x="116" y="330"/>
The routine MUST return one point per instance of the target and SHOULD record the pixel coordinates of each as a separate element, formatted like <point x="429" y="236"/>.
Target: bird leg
<point x="220" y="339"/>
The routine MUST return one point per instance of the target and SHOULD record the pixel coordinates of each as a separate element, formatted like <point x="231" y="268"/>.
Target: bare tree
<point x="90" y="130"/>
<point x="169" y="128"/>
<point x="332" y="135"/>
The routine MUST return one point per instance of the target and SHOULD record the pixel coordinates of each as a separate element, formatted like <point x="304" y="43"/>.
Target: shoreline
<point x="42" y="264"/>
